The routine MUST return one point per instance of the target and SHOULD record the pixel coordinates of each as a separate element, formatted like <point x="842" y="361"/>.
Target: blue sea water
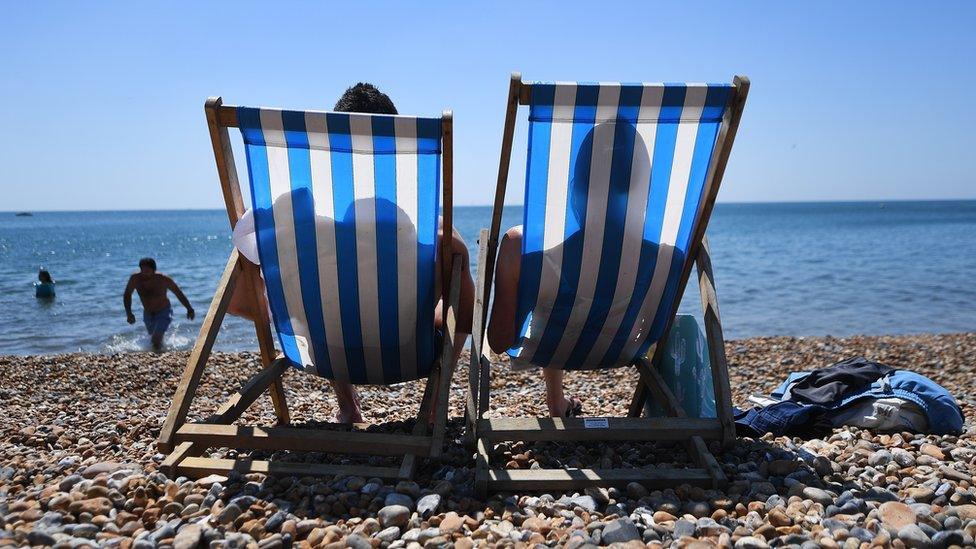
<point x="780" y="269"/>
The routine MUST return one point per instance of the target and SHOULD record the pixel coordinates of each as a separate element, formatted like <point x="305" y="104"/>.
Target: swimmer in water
<point x="44" y="287"/>
<point x="156" y="310"/>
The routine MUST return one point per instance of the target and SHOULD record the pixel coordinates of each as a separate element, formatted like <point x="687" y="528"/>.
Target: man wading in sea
<point x="156" y="310"/>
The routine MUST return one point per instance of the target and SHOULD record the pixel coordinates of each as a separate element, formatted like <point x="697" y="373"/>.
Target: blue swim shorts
<point x="158" y="322"/>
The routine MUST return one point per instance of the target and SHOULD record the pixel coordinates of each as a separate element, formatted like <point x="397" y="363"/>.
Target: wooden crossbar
<point x="306" y="440"/>
<point x="241" y="400"/>
<point x="598" y="429"/>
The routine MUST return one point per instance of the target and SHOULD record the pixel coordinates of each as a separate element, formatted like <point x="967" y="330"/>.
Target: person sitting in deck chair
<point x="563" y="312"/>
<point x="366" y="98"/>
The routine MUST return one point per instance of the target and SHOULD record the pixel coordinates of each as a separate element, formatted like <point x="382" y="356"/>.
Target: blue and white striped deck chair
<point x="620" y="183"/>
<point x="346" y="208"/>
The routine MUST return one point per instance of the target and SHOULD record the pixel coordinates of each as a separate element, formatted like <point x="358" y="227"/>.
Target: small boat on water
<point x="24" y="214"/>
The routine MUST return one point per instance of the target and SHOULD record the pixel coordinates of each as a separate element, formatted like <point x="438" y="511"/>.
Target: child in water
<point x="44" y="287"/>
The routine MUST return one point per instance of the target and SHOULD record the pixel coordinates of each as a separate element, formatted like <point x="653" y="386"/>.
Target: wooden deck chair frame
<point x="186" y="441"/>
<point x="692" y="432"/>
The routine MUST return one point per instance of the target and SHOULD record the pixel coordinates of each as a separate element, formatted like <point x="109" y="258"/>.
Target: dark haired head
<point x="364" y="97"/>
<point x="44" y="276"/>
<point x="147" y="262"/>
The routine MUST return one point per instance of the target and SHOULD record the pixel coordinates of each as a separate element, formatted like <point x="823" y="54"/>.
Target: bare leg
<point x="555" y="398"/>
<point x="157" y="341"/>
<point x="465" y="305"/>
<point x="348" y="399"/>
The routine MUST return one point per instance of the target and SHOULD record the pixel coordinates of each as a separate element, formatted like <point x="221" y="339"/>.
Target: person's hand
<point x="130" y="318"/>
<point x="190" y="313"/>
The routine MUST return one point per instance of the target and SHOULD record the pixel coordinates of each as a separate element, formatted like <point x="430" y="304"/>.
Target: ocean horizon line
<point x="519" y="205"/>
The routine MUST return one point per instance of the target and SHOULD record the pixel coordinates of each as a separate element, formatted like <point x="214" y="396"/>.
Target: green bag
<point x="686" y="369"/>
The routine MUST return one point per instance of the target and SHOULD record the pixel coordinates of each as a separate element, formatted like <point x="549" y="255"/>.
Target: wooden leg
<point x="187" y="388"/>
<point x="481" y="475"/>
<point x="695" y="445"/>
<point x="448" y="361"/>
<point x="477" y="344"/>
<point x="439" y="380"/>
<point x="262" y="326"/>
<point x="182" y="451"/>
<point x="409" y="464"/>
<point x="699" y="452"/>
<point x="639" y="401"/>
<point x="716" y="344"/>
<point x="484" y="396"/>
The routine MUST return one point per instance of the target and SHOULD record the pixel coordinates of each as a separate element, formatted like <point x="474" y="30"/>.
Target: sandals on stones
<point x="575" y="407"/>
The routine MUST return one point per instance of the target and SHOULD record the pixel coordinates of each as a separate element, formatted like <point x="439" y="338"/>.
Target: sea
<point x="799" y="269"/>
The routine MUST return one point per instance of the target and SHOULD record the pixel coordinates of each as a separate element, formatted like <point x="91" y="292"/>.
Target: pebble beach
<point x="79" y="466"/>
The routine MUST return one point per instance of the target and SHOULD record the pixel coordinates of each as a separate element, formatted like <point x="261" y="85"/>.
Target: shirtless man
<point x="156" y="310"/>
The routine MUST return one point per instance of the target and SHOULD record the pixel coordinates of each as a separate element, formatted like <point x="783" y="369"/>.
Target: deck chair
<point x="620" y="183"/>
<point x="345" y="208"/>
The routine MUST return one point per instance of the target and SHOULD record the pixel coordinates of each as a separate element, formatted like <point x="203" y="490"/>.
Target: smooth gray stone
<point x="85" y="530"/>
<point x="817" y="495"/>
<point x="621" y="530"/>
<point x="371" y="488"/>
<point x="949" y="537"/>
<point x="144" y="543"/>
<point x="355" y="541"/>
<point x="389" y="535"/>
<point x="879" y="458"/>
<point x="399" y="499"/>
<point x="69" y="482"/>
<point x="229" y="514"/>
<point x="914" y="537"/>
<point x="751" y="542"/>
<point x="275" y="521"/>
<point x="428" y="505"/>
<point x="40" y="537"/>
<point x="393" y="515"/>
<point x="586" y="502"/>
<point x="163" y="532"/>
<point x="684" y="528"/>
<point x="862" y="534"/>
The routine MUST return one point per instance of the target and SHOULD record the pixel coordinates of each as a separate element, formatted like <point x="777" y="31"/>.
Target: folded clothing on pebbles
<point x="78" y="465"/>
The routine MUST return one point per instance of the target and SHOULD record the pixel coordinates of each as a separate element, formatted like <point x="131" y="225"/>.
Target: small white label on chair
<point x="302" y="345"/>
<point x="596" y="423"/>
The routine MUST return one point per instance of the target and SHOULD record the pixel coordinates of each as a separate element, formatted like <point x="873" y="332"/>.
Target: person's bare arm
<point x="466" y="301"/>
<point x="501" y="326"/>
<point x="171" y="286"/>
<point x="127" y="299"/>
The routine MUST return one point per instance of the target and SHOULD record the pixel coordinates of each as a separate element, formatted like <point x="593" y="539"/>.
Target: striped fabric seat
<point x="615" y="181"/>
<point x="346" y="215"/>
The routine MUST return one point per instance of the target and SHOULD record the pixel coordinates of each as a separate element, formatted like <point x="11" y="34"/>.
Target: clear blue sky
<point x="102" y="103"/>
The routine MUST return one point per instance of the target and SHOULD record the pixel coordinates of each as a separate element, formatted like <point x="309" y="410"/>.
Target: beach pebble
<point x="428" y="505"/>
<point x="394" y="515"/>
<point x="914" y="537"/>
<point x="399" y="499"/>
<point x="188" y="537"/>
<point x="621" y="530"/>
<point x="751" y="542"/>
<point x="81" y="467"/>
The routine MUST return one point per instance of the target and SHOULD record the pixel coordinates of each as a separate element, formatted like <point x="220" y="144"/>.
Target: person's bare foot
<point x="347" y="399"/>
<point x="567" y="407"/>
